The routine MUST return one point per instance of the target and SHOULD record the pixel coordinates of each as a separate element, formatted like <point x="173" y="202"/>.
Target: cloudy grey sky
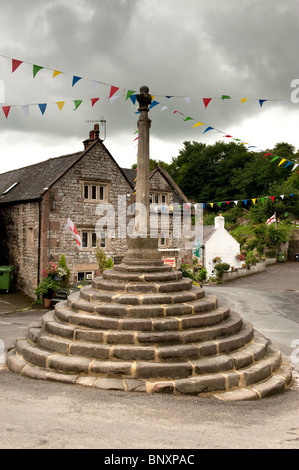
<point x="185" y="49"/>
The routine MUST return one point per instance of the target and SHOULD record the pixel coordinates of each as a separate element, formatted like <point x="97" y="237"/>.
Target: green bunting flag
<point x="77" y="104"/>
<point x="36" y="68"/>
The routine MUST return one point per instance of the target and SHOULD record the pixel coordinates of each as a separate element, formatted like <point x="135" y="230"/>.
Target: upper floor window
<point x="159" y="198"/>
<point x="95" y="191"/>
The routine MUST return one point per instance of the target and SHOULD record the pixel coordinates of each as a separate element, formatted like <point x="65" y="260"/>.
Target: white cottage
<point x="218" y="242"/>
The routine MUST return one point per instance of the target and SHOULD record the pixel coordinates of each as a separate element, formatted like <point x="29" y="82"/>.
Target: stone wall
<point x="19" y="229"/>
<point x="241" y="272"/>
<point x="95" y="166"/>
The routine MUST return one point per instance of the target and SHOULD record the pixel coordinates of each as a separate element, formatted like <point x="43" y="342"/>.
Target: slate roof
<point x="208" y="231"/>
<point x="33" y="180"/>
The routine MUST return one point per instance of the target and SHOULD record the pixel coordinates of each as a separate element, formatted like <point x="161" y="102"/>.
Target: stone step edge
<point x="220" y="320"/>
<point x="64" y="362"/>
<point x="69" y="323"/>
<point x="221" y="345"/>
<point x="142" y="286"/>
<point x="276" y="383"/>
<point x="89" y="294"/>
<point x="207" y="303"/>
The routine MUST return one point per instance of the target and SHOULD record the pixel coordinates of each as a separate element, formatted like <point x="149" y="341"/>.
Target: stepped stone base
<point x="142" y="327"/>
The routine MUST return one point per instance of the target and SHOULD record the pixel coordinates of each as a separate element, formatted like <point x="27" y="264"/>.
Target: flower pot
<point x="47" y="303"/>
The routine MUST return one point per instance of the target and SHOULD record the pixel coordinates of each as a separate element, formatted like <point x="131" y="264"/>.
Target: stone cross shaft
<point x="142" y="191"/>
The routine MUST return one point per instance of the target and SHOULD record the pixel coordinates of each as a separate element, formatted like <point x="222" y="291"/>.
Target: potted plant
<point x="46" y="289"/>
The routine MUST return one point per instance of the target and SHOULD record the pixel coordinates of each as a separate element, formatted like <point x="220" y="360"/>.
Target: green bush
<point x="220" y="270"/>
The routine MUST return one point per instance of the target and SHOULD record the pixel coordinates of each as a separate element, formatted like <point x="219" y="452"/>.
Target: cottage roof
<point x="171" y="182"/>
<point x="208" y="231"/>
<point x="30" y="182"/>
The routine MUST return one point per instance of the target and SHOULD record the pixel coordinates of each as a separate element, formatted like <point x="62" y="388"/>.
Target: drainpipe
<point x="39" y="239"/>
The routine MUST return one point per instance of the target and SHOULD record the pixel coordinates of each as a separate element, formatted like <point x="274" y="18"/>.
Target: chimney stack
<point x="93" y="136"/>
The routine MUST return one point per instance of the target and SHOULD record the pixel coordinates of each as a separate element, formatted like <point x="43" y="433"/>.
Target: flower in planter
<point x="217" y="259"/>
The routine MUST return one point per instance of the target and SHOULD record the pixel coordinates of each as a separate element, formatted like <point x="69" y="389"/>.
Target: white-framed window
<point x="85" y="276"/>
<point x="93" y="191"/>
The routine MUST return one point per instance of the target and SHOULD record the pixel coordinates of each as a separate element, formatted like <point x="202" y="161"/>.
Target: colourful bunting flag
<point x="267" y="154"/>
<point x="153" y="103"/>
<point x="55" y="73"/>
<point x="188" y="119"/>
<point x="282" y="161"/>
<point x="25" y="108"/>
<point x="174" y="112"/>
<point x="77" y="104"/>
<point x="36" y="68"/>
<point x="253" y="200"/>
<point x="295" y="166"/>
<point x="243" y="100"/>
<point x="75" y="80"/>
<point x="206" y="101"/>
<point x="208" y="129"/>
<point x="198" y="124"/>
<point x="289" y="163"/>
<point x="263" y="200"/>
<point x="262" y="102"/>
<point x="42" y="107"/>
<point x="228" y="136"/>
<point x="275" y="158"/>
<point x="60" y="104"/>
<point x="272" y="198"/>
<point x="225" y="97"/>
<point x="113" y="90"/>
<point x="130" y="93"/>
<point x="211" y="204"/>
<point x="94" y="100"/>
<point x="15" y="64"/>
<point x="6" y="110"/>
<point x="245" y="201"/>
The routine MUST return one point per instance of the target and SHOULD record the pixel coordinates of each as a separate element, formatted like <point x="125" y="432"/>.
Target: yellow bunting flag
<point x="211" y="204"/>
<point x="198" y="124"/>
<point x="243" y="100"/>
<point x="253" y="200"/>
<point x="282" y="161"/>
<point x="60" y="104"/>
<point x="55" y="73"/>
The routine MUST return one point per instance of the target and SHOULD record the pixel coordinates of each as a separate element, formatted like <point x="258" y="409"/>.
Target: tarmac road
<point x="45" y="415"/>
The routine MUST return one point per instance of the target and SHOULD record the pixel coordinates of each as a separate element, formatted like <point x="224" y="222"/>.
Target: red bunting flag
<point x="15" y="64"/>
<point x="6" y="110"/>
<point x="94" y="100"/>
<point x="272" y="197"/>
<point x="206" y="101"/>
<point x="228" y="136"/>
<point x="113" y="90"/>
<point x="267" y="154"/>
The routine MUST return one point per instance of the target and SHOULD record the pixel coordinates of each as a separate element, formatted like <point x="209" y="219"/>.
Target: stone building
<point x="37" y="200"/>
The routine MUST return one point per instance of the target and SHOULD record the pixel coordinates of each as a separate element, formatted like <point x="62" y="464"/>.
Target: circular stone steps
<point x="142" y="327"/>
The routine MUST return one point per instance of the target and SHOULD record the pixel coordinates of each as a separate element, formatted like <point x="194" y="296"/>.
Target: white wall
<point x="222" y="244"/>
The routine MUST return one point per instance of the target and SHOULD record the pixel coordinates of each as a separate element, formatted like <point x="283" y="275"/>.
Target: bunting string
<point x="132" y="95"/>
<point x="16" y="63"/>
<point x="246" y="202"/>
